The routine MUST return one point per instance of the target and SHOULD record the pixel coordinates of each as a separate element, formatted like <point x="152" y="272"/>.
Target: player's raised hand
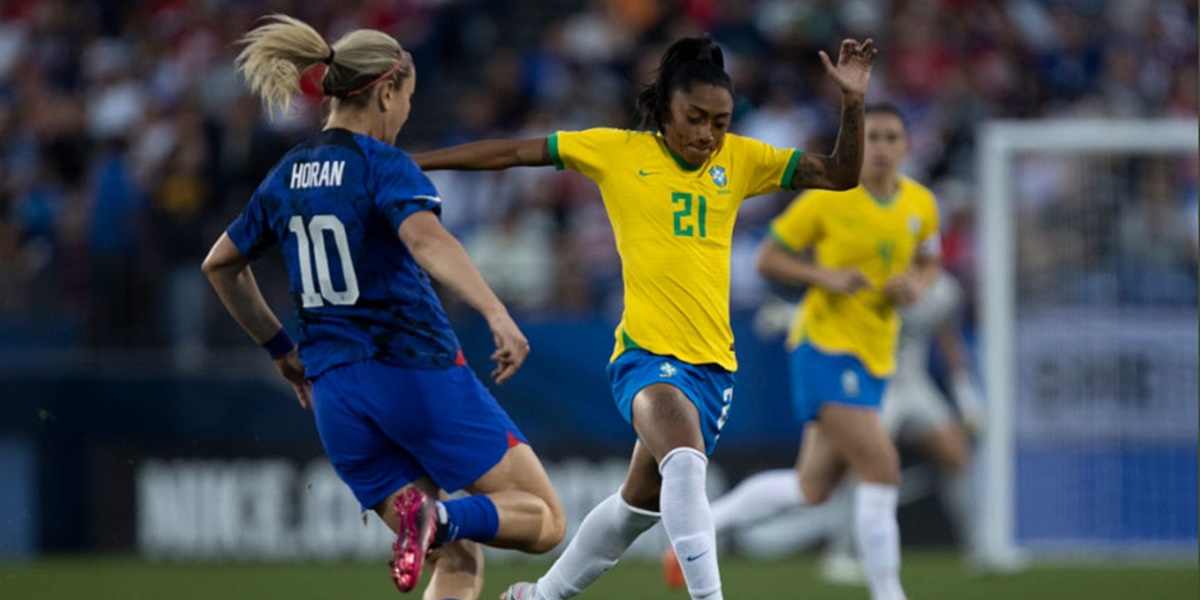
<point x="293" y="370"/>
<point x="511" y="347"/>
<point x="853" y="69"/>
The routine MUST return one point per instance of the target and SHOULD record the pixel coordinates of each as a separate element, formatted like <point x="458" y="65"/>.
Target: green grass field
<point x="927" y="576"/>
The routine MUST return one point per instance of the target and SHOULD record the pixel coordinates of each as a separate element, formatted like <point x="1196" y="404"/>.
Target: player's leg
<point x="378" y="470"/>
<point x="857" y="434"/>
<point x="948" y="447"/>
<point x="457" y="567"/>
<point x="756" y="498"/>
<point x="464" y="440"/>
<point x="763" y="495"/>
<point x="816" y="380"/>
<point x="840" y="563"/>
<point x="603" y="536"/>
<point x="529" y="514"/>
<point x="843" y="399"/>
<point x="769" y="493"/>
<point x="457" y="572"/>
<point x="667" y="469"/>
<point x="823" y="476"/>
<point x="818" y="474"/>
<point x="450" y="428"/>
<point x="668" y="425"/>
<point x="820" y="466"/>
<point x="512" y="505"/>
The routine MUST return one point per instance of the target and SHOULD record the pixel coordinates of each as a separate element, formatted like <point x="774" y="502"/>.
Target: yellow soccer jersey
<point x="673" y="224"/>
<point x="881" y="239"/>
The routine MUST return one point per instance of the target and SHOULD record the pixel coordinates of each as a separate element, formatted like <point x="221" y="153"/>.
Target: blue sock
<point x="472" y="518"/>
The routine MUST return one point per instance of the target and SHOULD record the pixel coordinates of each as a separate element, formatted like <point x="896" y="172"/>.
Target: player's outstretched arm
<point x="840" y="170"/>
<point x="229" y="273"/>
<point x="488" y="155"/>
<point x="445" y="259"/>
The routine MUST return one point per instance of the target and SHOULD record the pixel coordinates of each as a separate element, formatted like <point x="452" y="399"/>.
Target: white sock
<point x="879" y="538"/>
<point x="605" y="534"/>
<point x="757" y="498"/>
<point x="688" y="520"/>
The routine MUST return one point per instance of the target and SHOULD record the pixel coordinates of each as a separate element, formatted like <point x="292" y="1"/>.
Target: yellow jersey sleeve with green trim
<point x="587" y="151"/>
<point x="673" y="225"/>
<point x="853" y="230"/>
<point x="772" y="167"/>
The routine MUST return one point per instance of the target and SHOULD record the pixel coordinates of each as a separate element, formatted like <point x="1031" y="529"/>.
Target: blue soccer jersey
<point x="335" y="202"/>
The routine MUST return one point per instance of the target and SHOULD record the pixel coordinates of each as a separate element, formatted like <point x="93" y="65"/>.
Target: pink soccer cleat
<point x="417" y="516"/>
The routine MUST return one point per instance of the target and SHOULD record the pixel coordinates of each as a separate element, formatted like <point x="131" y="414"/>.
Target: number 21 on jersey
<point x="687" y="224"/>
<point x="310" y="245"/>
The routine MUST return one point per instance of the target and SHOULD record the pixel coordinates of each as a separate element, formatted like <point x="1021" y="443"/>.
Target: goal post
<point x="1078" y="413"/>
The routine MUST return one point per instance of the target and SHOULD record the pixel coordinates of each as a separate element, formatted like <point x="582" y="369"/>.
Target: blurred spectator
<point x="516" y="257"/>
<point x="126" y="137"/>
<point x="116" y="292"/>
<point x="181" y="201"/>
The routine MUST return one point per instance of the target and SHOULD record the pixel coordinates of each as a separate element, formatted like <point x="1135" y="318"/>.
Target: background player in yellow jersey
<point x="672" y="196"/>
<point x="875" y="249"/>
<point x="915" y="411"/>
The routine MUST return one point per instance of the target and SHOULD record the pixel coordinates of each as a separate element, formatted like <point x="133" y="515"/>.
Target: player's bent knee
<point x="559" y="530"/>
<point x="553" y="531"/>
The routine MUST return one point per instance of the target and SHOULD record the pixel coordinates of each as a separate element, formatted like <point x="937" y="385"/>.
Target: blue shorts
<point x="385" y="426"/>
<point x="818" y="377"/>
<point x="709" y="387"/>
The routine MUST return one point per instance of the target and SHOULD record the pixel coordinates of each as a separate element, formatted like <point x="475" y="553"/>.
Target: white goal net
<point x="1089" y="315"/>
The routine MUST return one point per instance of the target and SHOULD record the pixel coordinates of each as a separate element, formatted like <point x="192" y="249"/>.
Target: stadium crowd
<point x="128" y="141"/>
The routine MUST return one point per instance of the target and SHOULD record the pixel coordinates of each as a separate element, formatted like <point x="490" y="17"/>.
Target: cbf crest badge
<point x="718" y="175"/>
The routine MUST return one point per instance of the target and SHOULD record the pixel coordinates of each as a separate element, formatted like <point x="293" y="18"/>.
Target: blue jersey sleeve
<point x="402" y="189"/>
<point x="251" y="232"/>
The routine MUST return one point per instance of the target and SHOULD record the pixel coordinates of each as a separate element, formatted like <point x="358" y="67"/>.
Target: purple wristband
<point x="279" y="346"/>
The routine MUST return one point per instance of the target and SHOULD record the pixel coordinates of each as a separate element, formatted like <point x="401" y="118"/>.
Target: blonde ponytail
<point x="276" y="54"/>
<point x="274" y="57"/>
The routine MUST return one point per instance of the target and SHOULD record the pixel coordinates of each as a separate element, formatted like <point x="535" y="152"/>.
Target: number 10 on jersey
<point x="310" y="245"/>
